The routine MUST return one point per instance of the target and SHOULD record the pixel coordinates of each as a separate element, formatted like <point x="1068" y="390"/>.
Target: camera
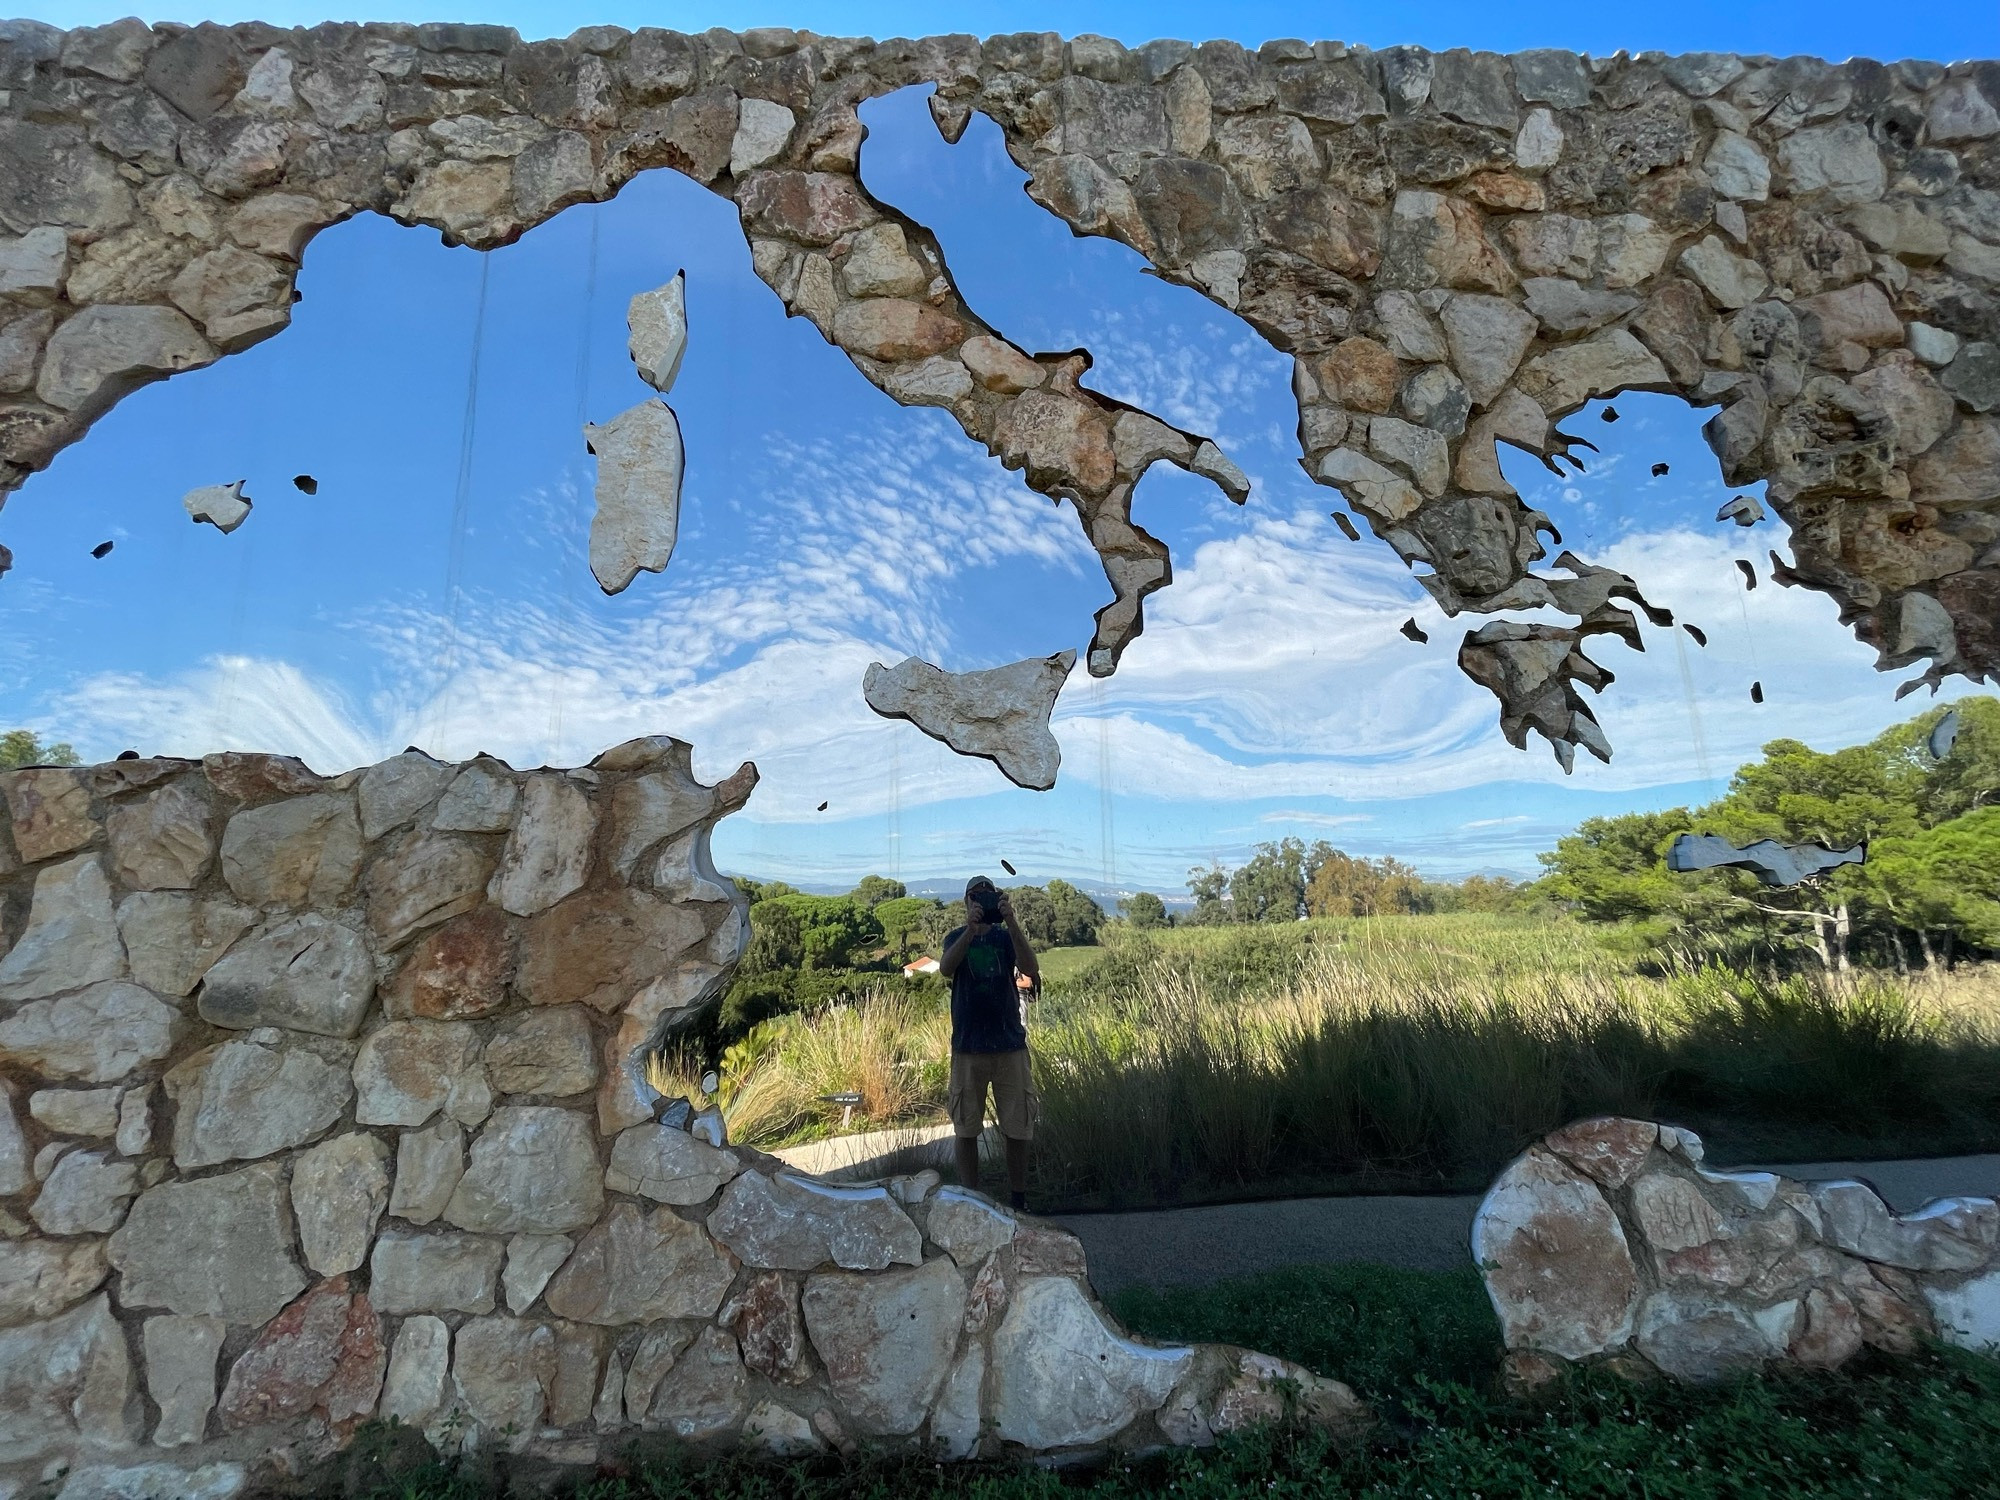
<point x="988" y="901"/>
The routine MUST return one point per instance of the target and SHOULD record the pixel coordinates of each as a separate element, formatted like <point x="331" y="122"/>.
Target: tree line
<point x="1290" y="879"/>
<point x="1929" y="887"/>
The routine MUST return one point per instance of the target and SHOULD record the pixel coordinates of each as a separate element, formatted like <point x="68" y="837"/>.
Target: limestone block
<point x="462" y="969"/>
<point x="252" y="778"/>
<point x="92" y="1112"/>
<point x="439" y="1273"/>
<point x="1416" y="450"/>
<point x="305" y="973"/>
<point x="339" y="1190"/>
<point x="1000" y="715"/>
<point x="104" y="352"/>
<point x="1950" y="1234"/>
<point x="636" y="1267"/>
<point x="39" y="1278"/>
<point x="323" y="1354"/>
<point x="407" y="1071"/>
<point x="85" y="1193"/>
<point x="1061" y="1378"/>
<point x="427" y="878"/>
<point x="640" y="461"/>
<point x="704" y="1394"/>
<point x="429" y="1163"/>
<point x="544" y="1052"/>
<point x="999" y="366"/>
<point x="1968" y="1314"/>
<point x="791" y="1223"/>
<point x="97" y="1036"/>
<point x="1737" y="168"/>
<point x="1959" y="111"/>
<point x="764" y="1316"/>
<point x="534" y="1169"/>
<point x="65" y="1381"/>
<point x="548" y="853"/>
<point x="1557" y="1263"/>
<point x="657" y="324"/>
<point x="174" y="937"/>
<point x="1562" y="306"/>
<point x="236" y="296"/>
<point x="648" y="810"/>
<point x="967" y="1226"/>
<point x="1612" y="1150"/>
<point x="1906" y="391"/>
<point x="1632" y="248"/>
<point x="1730" y="279"/>
<point x="301" y="852"/>
<point x="1554" y="245"/>
<point x="886" y="1340"/>
<point x="161" y="842"/>
<point x="1673" y="1214"/>
<point x="501" y="1369"/>
<point x="252" y="1097"/>
<point x="1566" y="377"/>
<point x="71" y="939"/>
<point x="50" y="806"/>
<point x="599" y="947"/>
<point x="22" y="333"/>
<point x="1839" y="160"/>
<point x="14" y="1174"/>
<point x="1701" y="1339"/>
<point x="180" y="1375"/>
<point x="668" y="1166"/>
<point x="218" y="1246"/>
<point x="419" y="1365"/>
<point x="156" y="1481"/>
<point x="531" y="1260"/>
<point x="481" y="800"/>
<point x="956" y="1422"/>
<point x="31" y="265"/>
<point x="396" y="790"/>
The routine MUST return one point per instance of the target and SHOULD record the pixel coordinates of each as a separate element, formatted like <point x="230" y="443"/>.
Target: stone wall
<point x="1611" y="1242"/>
<point x="322" y="1101"/>
<point x="1458" y="249"/>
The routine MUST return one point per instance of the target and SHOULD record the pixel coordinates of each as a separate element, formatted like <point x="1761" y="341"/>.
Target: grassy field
<point x="1422" y="1348"/>
<point x="1403" y="1054"/>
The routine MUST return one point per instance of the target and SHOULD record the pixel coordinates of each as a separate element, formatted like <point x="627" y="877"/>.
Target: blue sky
<point x="823" y="528"/>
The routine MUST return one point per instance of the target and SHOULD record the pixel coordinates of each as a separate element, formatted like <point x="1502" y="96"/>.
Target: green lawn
<point x="1422" y="1347"/>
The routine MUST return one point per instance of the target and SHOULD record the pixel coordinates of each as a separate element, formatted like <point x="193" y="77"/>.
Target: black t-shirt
<point x="985" y="1006"/>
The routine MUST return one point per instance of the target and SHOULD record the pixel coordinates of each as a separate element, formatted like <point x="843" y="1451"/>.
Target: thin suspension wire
<point x="1105" y="830"/>
<point x="572" y="566"/>
<point x="461" y="502"/>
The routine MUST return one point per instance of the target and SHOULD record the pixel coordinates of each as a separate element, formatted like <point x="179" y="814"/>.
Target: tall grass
<point x="1408" y="1054"/>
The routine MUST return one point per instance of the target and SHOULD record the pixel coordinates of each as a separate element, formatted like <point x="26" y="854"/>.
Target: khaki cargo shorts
<point x="1015" y="1101"/>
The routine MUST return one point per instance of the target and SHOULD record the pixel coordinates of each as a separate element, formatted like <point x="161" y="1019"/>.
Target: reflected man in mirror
<point x="989" y="1035"/>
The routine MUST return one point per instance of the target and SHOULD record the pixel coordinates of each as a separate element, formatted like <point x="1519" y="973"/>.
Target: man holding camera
<point x="989" y="1037"/>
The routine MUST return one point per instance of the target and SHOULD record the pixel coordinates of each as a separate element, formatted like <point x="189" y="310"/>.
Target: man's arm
<point x="1024" y="951"/>
<point x="954" y="953"/>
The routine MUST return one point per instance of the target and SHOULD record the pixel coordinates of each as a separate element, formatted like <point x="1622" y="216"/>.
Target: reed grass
<point x="1405" y="1054"/>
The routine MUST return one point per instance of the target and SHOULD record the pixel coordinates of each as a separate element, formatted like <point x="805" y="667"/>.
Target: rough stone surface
<point x="39" y="1278"/>
<point x="173" y="938"/>
<point x="657" y="321"/>
<point x="886" y="1341"/>
<point x="392" y="793"/>
<point x="306" y="973"/>
<point x="462" y="969"/>
<point x="219" y="1246"/>
<point x="1721" y="1271"/>
<point x="640" y="461"/>
<point x="1558" y="1265"/>
<point x="323" y="1354"/>
<point x="162" y="841"/>
<point x="1001" y="715"/>
<point x="434" y="1273"/>
<point x="791" y="1223"/>
<point x="548" y="853"/>
<point x="533" y="1169"/>
<point x="63" y="1381"/>
<point x="1060" y="1377"/>
<point x="180" y="1375"/>
<point x="304" y="851"/>
<point x="253" y="1097"/>
<point x="97" y="1036"/>
<point x="407" y="1071"/>
<point x="531" y="1260"/>
<point x="339" y="1190"/>
<point x="668" y="1166"/>
<point x="84" y="1193"/>
<point x="71" y="939"/>
<point x="637" y="1266"/>
<point x="550" y="1052"/>
<point x="429" y="1163"/>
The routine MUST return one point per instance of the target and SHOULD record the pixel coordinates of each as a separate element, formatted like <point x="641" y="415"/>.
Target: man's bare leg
<point x="967" y="1152"/>
<point x="1017" y="1168"/>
